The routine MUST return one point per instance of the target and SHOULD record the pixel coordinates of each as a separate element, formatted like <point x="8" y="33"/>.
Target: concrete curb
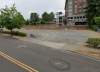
<point x="85" y="55"/>
<point x="88" y="56"/>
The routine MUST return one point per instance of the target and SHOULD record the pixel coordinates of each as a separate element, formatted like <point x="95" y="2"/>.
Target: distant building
<point x="74" y="12"/>
<point x="59" y="19"/>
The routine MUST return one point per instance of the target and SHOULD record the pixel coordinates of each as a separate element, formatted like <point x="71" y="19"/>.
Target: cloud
<point x="26" y="7"/>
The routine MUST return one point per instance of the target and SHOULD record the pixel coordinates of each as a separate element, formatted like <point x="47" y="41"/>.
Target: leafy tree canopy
<point x="93" y="10"/>
<point x="11" y="18"/>
<point x="34" y="17"/>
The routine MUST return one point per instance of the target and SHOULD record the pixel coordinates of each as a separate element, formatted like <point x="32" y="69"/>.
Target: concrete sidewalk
<point x="57" y="45"/>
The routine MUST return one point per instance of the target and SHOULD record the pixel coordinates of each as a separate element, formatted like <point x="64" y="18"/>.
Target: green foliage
<point x="42" y="22"/>
<point x="11" y="18"/>
<point x="97" y="21"/>
<point x="64" y="21"/>
<point x="93" y="41"/>
<point x="15" y="33"/>
<point x="27" y="22"/>
<point x="45" y="16"/>
<point x="51" y="16"/>
<point x="34" y="17"/>
<point x="94" y="27"/>
<point x="93" y="10"/>
<point x="48" y="17"/>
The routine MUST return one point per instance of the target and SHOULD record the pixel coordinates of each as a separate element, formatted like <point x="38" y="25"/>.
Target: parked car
<point x="1" y="29"/>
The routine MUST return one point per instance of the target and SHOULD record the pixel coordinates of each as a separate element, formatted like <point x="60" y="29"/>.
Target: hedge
<point x="15" y="33"/>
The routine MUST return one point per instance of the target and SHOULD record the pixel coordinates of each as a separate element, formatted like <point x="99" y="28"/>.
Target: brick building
<point x="74" y="12"/>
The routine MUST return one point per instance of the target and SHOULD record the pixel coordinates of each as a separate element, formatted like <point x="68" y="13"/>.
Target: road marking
<point x="21" y="46"/>
<point x="30" y="69"/>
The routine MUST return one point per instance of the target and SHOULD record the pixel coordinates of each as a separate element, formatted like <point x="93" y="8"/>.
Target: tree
<point x="97" y="21"/>
<point x="93" y="10"/>
<point x="48" y="17"/>
<point x="65" y="21"/>
<point x="27" y="22"/>
<point x="51" y="16"/>
<point x="11" y="18"/>
<point x="42" y="22"/>
<point x="45" y="16"/>
<point x="34" y="17"/>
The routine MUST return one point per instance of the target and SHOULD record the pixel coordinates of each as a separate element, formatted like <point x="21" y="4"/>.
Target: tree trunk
<point x="11" y="32"/>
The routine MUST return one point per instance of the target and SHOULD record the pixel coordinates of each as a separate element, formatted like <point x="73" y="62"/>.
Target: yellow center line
<point x="28" y="68"/>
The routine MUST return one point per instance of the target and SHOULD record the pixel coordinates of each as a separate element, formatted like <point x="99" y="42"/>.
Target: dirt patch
<point x="28" y="37"/>
<point x="54" y="27"/>
<point x="90" y="46"/>
<point x="83" y="45"/>
<point x="12" y="36"/>
<point x="88" y="52"/>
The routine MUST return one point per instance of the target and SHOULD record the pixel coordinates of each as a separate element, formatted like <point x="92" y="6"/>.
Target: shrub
<point x="93" y="41"/>
<point x="15" y="33"/>
<point x="42" y="22"/>
<point x="94" y="27"/>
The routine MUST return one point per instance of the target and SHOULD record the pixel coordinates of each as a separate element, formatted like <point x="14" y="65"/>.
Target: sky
<point x="26" y="7"/>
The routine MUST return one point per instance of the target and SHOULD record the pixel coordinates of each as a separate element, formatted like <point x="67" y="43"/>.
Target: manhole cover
<point x="59" y="64"/>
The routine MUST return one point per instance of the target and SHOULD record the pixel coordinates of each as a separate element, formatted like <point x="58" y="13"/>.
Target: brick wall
<point x="66" y="12"/>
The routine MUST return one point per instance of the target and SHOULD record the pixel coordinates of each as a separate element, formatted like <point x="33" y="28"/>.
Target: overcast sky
<point x="26" y="7"/>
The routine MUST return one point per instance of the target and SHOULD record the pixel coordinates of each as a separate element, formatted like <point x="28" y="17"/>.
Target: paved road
<point x="41" y="58"/>
<point x="62" y="36"/>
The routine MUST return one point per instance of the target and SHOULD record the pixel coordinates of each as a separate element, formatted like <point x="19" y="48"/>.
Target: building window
<point x="68" y="20"/>
<point x="69" y="6"/>
<point x="74" y="17"/>
<point x="84" y="0"/>
<point x="75" y="9"/>
<point x="80" y="5"/>
<point x="80" y="0"/>
<point x="80" y="9"/>
<point x="71" y="17"/>
<point x="75" y="1"/>
<point x="80" y="16"/>
<point x="69" y="13"/>
<point x="75" y="6"/>
<point x="80" y="12"/>
<point x="70" y="2"/>
<point x="84" y="5"/>
<point x="75" y="13"/>
<point x="77" y="17"/>
<point x="83" y="16"/>
<point x="70" y="10"/>
<point x="84" y="11"/>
